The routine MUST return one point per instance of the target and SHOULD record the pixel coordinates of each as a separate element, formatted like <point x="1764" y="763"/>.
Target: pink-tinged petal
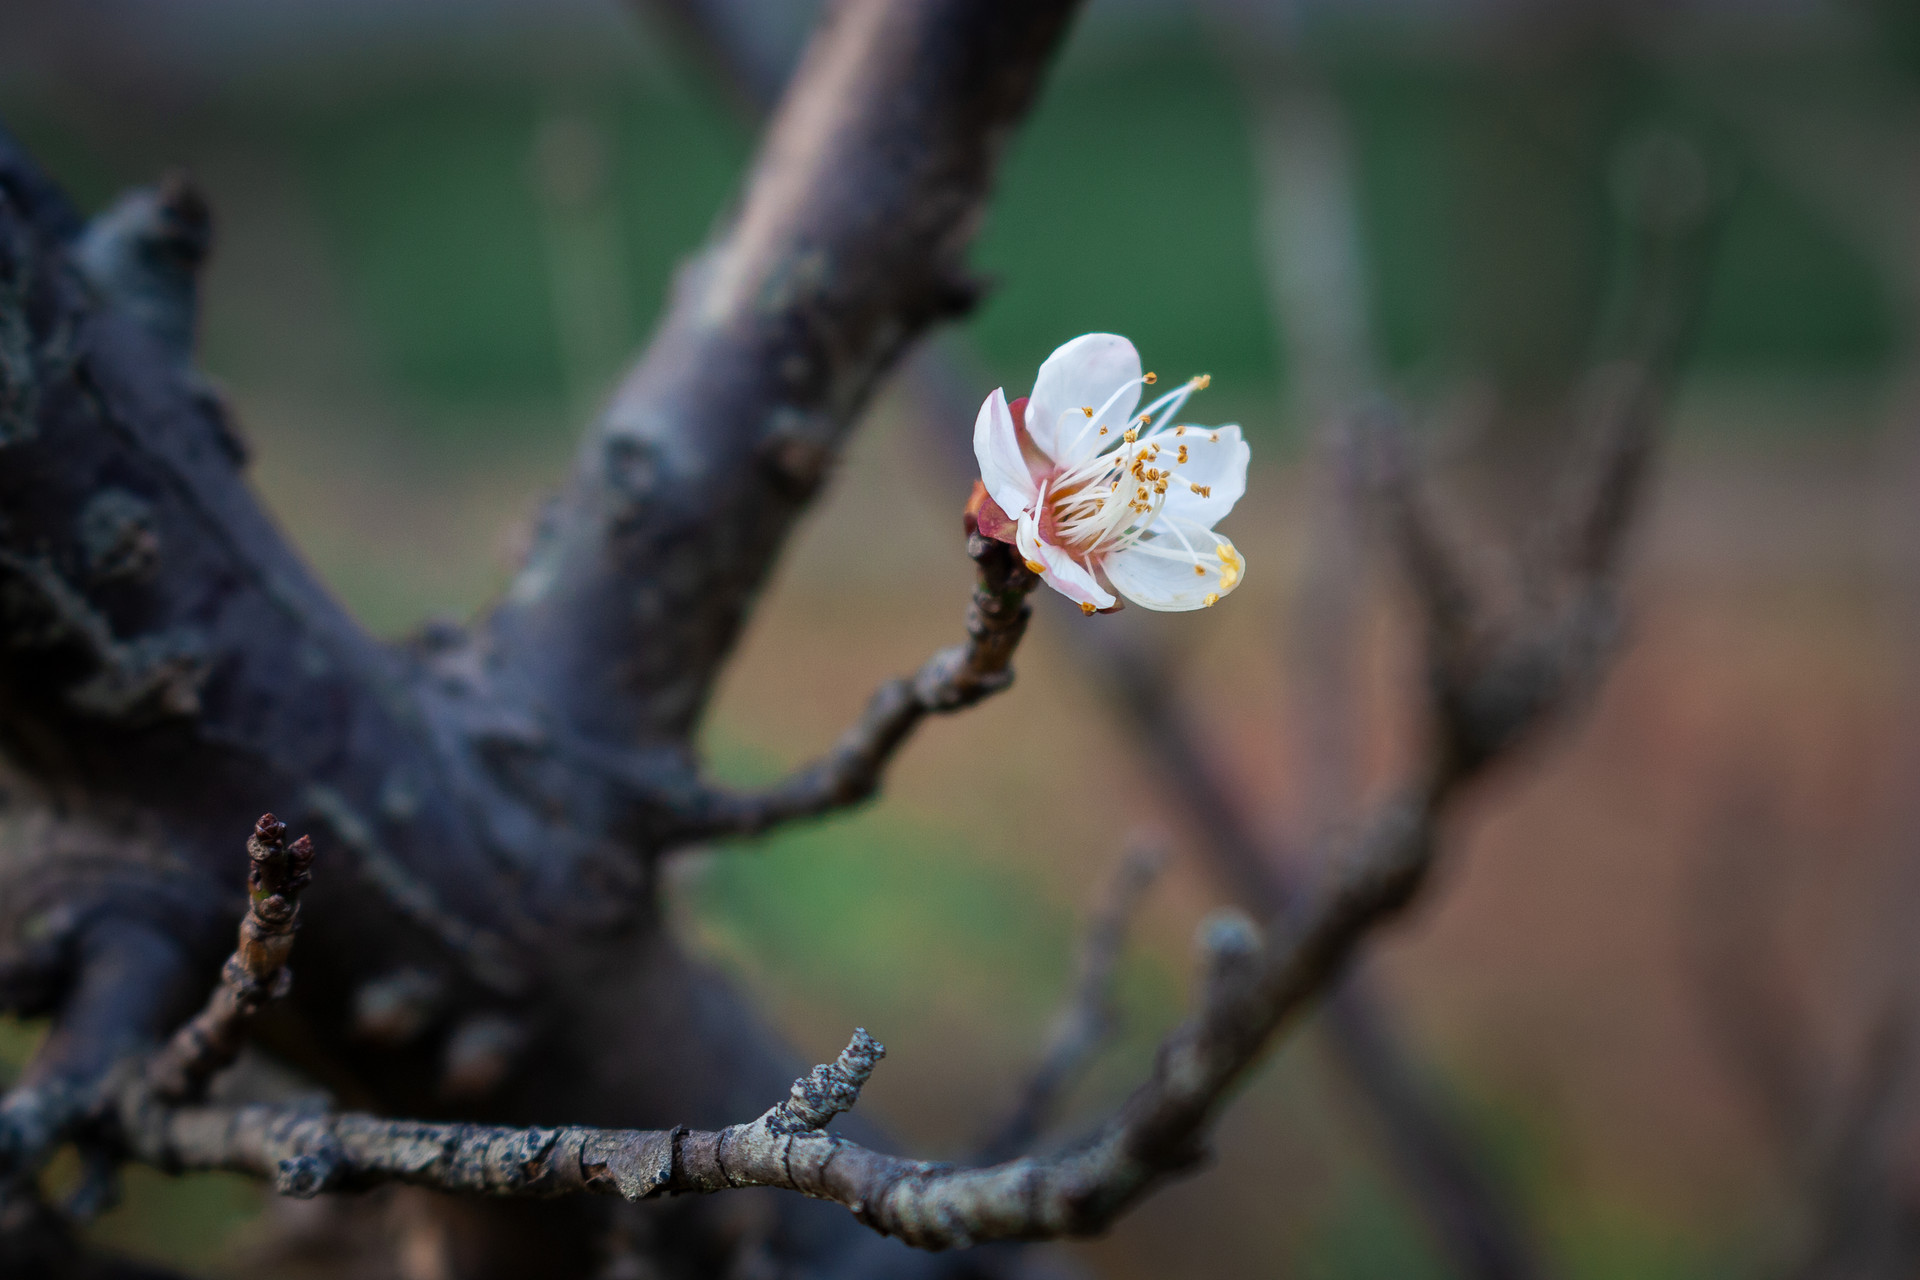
<point x="1161" y="575"/>
<point x="1059" y="570"/>
<point x="1071" y="579"/>
<point x="1204" y="488"/>
<point x="1039" y="465"/>
<point x="997" y="449"/>
<point x="1083" y="375"/>
<point x="985" y="516"/>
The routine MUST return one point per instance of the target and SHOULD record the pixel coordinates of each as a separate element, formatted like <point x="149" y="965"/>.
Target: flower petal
<point x="1059" y="570"/>
<point x="1083" y="374"/>
<point x="985" y="516"/>
<point x="997" y="449"/>
<point x="1159" y="573"/>
<point x="1205" y="486"/>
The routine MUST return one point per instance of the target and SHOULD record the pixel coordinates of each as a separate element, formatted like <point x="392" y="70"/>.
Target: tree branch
<point x="951" y="680"/>
<point x="847" y="246"/>
<point x="1250" y="986"/>
<point x="255" y="973"/>
<point x="1253" y="984"/>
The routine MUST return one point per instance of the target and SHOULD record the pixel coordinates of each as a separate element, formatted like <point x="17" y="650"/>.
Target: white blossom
<point x="1101" y="499"/>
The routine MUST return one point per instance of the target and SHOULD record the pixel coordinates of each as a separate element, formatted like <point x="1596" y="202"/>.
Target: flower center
<point x="1108" y="502"/>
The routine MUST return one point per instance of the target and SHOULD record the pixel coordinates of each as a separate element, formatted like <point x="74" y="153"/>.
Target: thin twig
<point x="1252" y="985"/>
<point x="254" y="974"/>
<point x="951" y="680"/>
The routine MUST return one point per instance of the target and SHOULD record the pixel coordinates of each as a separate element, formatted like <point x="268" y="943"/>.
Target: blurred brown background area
<point x="442" y="227"/>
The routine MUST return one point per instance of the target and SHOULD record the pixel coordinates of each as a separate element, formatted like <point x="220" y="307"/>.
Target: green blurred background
<point x="442" y="229"/>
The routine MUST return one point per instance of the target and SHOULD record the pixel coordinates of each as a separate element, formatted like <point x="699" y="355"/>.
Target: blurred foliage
<point x="1129" y="204"/>
<point x="430" y="197"/>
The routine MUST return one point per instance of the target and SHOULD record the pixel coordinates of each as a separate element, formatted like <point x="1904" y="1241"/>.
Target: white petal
<point x="1216" y="462"/>
<point x="1058" y="569"/>
<point x="997" y="449"/>
<point x="1084" y="374"/>
<point x="1159" y="573"/>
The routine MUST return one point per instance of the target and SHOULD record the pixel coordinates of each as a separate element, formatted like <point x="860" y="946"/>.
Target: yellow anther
<point x="1103" y="431"/>
<point x="1146" y="419"/>
<point x="1086" y="606"/>
<point x="1204" y="490"/>
<point x="1133" y="433"/>
<point x="1151" y="378"/>
<point x="1199" y="571"/>
<point x="1087" y="409"/>
<point x="1183" y="453"/>
<point x="1179" y="431"/>
<point x="1211" y="600"/>
<point x="1036" y="566"/>
<point x="1202" y="382"/>
<point x="1215" y="437"/>
<point x="1229" y="567"/>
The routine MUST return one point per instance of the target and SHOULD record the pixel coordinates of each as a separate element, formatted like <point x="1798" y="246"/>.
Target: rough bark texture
<point x="490" y="804"/>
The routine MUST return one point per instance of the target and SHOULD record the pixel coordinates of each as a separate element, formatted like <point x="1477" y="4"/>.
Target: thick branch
<point x="848" y="245"/>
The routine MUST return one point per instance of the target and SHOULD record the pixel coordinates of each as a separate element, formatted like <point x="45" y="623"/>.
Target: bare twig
<point x="1252" y="985"/>
<point x="951" y="680"/>
<point x="254" y="974"/>
<point x="1087" y="1019"/>
<point x="1434" y="1159"/>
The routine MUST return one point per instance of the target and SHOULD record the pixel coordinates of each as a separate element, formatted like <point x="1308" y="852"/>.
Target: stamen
<point x="1086" y="607"/>
<point x="1150" y="378"/>
<point x="1103" y="431"/>
<point x="1200" y="571"/>
<point x="1202" y="382"/>
<point x="1229" y="566"/>
<point x="1183" y="453"/>
<point x="1036" y="567"/>
<point x="1204" y="490"/>
<point x="1212" y="600"/>
<point x="1087" y="409"/>
<point x="1133" y="433"/>
<point x="1113" y="399"/>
